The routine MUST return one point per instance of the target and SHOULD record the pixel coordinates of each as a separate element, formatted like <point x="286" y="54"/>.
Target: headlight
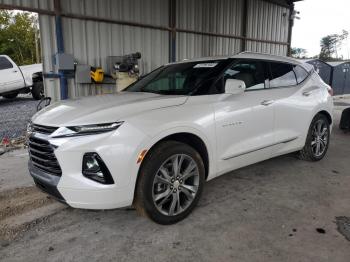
<point x="85" y="130"/>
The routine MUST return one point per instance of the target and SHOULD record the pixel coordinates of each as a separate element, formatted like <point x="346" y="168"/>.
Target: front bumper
<point x="119" y="151"/>
<point x="46" y="182"/>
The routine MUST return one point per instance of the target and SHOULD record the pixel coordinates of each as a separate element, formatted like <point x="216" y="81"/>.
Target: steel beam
<point x="244" y="26"/>
<point x="60" y="48"/>
<point x="172" y="33"/>
<point x="290" y="29"/>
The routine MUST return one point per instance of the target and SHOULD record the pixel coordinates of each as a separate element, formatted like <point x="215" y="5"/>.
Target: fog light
<point x="95" y="169"/>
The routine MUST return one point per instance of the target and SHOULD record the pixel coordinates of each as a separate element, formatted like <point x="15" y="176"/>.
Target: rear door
<point x="293" y="100"/>
<point x="244" y="123"/>
<point x="10" y="76"/>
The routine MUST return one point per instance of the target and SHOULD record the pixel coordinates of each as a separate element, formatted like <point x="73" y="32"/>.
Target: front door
<point x="244" y="123"/>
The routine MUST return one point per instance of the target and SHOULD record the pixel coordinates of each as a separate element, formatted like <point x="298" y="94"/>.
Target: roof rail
<point x="261" y="53"/>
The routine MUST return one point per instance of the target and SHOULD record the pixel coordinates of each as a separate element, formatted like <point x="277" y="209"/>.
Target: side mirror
<point x="234" y="87"/>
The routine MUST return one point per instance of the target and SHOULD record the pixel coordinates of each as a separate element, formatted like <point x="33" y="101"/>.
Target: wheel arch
<point x="327" y="115"/>
<point x="38" y="76"/>
<point x="192" y="140"/>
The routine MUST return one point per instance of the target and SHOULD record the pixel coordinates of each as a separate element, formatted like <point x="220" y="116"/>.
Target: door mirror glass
<point x="234" y="86"/>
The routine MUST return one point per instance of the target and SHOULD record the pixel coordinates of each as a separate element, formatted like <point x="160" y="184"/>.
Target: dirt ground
<point x="283" y="209"/>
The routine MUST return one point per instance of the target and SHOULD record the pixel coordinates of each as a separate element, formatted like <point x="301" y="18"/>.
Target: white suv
<point x="156" y="143"/>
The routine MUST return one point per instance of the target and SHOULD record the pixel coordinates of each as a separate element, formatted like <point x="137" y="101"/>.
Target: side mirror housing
<point x="234" y="87"/>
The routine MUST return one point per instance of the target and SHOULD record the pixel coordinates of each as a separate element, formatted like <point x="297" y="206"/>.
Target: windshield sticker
<point x="205" y="65"/>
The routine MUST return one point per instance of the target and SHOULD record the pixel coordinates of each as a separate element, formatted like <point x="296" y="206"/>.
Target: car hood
<point x="103" y="109"/>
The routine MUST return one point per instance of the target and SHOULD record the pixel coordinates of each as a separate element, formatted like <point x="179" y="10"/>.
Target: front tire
<point x="170" y="182"/>
<point x="317" y="140"/>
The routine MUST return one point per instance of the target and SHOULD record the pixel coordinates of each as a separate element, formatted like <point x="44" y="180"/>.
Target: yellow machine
<point x="97" y="74"/>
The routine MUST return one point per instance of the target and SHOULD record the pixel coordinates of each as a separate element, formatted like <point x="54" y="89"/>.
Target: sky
<point x="319" y="18"/>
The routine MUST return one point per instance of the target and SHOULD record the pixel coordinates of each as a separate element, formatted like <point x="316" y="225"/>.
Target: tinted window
<point x="252" y="73"/>
<point x="172" y="81"/>
<point x="185" y="78"/>
<point x="4" y="63"/>
<point x="300" y="73"/>
<point x="282" y="75"/>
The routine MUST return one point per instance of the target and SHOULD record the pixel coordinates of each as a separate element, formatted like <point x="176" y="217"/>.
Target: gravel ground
<point x="15" y="114"/>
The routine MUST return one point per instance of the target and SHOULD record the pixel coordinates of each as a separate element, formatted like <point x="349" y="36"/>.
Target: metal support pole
<point x="60" y="48"/>
<point x="290" y="29"/>
<point x="172" y="33"/>
<point x="244" y="26"/>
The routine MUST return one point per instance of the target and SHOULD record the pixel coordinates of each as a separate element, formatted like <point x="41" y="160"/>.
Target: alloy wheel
<point x="175" y="184"/>
<point x="320" y="137"/>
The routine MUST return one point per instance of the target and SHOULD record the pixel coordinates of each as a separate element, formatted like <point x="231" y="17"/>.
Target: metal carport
<point x="161" y="30"/>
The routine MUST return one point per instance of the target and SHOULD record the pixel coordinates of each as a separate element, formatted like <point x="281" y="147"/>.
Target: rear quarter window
<point x="300" y="73"/>
<point x="282" y="75"/>
<point x="5" y="63"/>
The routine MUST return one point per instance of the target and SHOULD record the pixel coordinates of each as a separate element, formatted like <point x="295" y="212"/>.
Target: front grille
<point x="42" y="155"/>
<point x="47" y="130"/>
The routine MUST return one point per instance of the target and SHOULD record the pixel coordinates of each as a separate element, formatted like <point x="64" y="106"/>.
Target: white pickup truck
<point x="20" y="79"/>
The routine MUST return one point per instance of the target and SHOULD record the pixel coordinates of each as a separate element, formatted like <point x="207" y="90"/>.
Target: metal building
<point x="340" y="80"/>
<point x="322" y="68"/>
<point x="162" y="30"/>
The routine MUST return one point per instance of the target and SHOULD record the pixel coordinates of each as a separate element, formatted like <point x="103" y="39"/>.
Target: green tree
<point x="331" y="44"/>
<point x="298" y="52"/>
<point x="18" y="36"/>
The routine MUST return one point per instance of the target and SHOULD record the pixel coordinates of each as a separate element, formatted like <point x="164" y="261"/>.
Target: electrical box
<point x="82" y="74"/>
<point x="64" y="62"/>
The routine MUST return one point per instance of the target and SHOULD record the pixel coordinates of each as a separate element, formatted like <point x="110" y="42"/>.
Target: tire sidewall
<point x="149" y="171"/>
<point x="309" y="137"/>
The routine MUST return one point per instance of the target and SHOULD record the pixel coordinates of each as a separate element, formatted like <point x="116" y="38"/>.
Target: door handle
<point x="14" y="71"/>
<point x="267" y="102"/>
<point x="307" y="93"/>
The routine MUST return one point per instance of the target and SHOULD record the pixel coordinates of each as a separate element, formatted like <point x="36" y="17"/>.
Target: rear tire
<point x="38" y="90"/>
<point x="317" y="140"/>
<point x="11" y="96"/>
<point x="170" y="182"/>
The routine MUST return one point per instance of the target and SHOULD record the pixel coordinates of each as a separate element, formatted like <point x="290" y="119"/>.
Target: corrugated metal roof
<point x="153" y="12"/>
<point x="41" y="4"/>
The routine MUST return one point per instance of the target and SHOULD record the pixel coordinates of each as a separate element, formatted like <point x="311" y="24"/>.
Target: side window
<point x="300" y="73"/>
<point x="282" y="75"/>
<point x="4" y="63"/>
<point x="252" y="73"/>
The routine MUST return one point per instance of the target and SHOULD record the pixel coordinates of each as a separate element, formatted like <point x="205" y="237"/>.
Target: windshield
<point x="186" y="78"/>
